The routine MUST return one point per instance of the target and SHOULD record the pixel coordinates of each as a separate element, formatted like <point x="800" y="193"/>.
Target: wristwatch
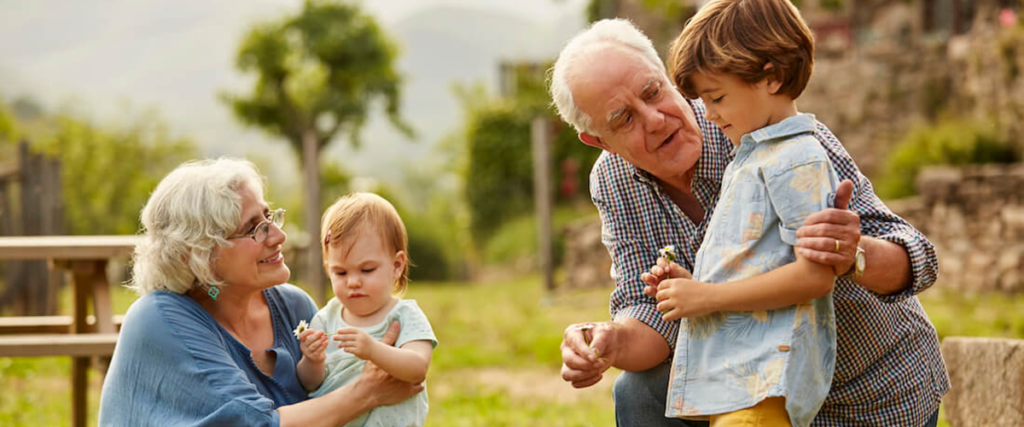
<point x="859" y="264"/>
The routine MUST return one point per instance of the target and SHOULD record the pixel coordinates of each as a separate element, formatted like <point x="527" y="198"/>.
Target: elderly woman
<point x="210" y="342"/>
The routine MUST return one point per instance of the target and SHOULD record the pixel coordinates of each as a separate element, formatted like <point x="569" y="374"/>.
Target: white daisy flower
<point x="668" y="252"/>
<point x="301" y="328"/>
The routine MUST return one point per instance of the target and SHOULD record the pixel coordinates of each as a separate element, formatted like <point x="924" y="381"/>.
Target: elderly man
<point x="657" y="184"/>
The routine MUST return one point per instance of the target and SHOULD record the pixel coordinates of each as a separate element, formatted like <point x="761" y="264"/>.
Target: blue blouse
<point x="175" y="365"/>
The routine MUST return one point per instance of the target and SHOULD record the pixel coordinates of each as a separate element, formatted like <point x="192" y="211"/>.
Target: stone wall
<point x="987" y="378"/>
<point x="975" y="217"/>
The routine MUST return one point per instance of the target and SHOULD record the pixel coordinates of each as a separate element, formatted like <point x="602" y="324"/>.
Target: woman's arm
<point x="373" y="388"/>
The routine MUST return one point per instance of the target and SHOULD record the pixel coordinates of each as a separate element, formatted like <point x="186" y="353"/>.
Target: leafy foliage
<point x="108" y="172"/>
<point x="954" y="142"/>
<point x="317" y="72"/>
<point x="498" y="174"/>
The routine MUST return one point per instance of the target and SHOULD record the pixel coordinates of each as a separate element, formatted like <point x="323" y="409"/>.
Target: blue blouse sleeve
<point x="171" y="367"/>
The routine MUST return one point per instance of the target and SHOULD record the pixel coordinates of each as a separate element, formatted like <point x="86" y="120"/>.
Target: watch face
<point x="860" y="261"/>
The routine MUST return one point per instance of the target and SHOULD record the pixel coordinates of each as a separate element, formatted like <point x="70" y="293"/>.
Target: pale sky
<point x="176" y="55"/>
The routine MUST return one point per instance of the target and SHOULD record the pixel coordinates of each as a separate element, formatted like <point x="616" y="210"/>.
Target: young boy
<point x="749" y="60"/>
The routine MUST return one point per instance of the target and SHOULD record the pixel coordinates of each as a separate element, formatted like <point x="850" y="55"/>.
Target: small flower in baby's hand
<point x="668" y="252"/>
<point x="301" y="328"/>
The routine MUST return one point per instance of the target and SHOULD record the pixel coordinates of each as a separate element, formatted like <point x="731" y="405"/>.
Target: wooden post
<point x="540" y="137"/>
<point x="311" y="163"/>
<point x="30" y="285"/>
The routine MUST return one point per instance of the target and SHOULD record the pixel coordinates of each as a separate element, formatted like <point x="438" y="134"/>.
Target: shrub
<point x="955" y="142"/>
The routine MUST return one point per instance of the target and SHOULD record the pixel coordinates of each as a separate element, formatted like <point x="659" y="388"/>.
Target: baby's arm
<point x="408" y="363"/>
<point x="312" y="367"/>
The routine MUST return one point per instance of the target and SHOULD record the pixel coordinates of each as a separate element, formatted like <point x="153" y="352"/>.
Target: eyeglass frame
<point x="276" y="218"/>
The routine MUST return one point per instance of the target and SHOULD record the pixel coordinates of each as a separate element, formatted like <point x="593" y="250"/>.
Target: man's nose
<point x="654" y="119"/>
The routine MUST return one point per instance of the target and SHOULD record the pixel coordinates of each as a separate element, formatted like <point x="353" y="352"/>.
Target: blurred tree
<point x="498" y="171"/>
<point x="108" y="173"/>
<point x="317" y="74"/>
<point x="6" y="124"/>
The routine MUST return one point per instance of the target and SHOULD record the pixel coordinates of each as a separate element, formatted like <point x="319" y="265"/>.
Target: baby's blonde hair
<point x="356" y="211"/>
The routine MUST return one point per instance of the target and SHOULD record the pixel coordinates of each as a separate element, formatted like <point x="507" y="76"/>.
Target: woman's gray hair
<point x="618" y="31"/>
<point x="191" y="212"/>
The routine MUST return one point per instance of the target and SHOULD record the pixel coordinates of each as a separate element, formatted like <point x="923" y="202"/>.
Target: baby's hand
<point x="355" y="341"/>
<point x="314" y="345"/>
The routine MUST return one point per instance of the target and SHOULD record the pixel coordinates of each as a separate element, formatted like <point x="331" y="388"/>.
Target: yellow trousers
<point x="771" y="412"/>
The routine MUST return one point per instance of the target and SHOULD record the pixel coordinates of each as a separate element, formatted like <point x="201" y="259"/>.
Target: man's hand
<point x="356" y="341"/>
<point x="816" y="239"/>
<point x="678" y="298"/>
<point x="313" y="345"/>
<point x="588" y="349"/>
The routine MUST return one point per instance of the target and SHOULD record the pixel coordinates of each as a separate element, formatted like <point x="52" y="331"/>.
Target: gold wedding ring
<point x="837" y="246"/>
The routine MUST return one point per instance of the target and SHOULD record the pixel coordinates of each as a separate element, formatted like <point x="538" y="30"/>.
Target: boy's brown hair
<point x="359" y="211"/>
<point x="740" y="37"/>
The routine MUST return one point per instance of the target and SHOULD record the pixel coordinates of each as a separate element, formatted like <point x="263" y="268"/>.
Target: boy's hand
<point x="679" y="298"/>
<point x="314" y="345"/>
<point x="355" y="341"/>
<point x="661" y="271"/>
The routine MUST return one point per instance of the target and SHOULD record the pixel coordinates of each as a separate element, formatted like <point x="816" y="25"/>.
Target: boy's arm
<point x="408" y="363"/>
<point x="791" y="284"/>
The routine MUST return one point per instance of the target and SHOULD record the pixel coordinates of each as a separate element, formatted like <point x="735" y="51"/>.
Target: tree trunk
<point x="311" y="175"/>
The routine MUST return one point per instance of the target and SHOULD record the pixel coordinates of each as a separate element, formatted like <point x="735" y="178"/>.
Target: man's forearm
<point x="640" y="346"/>
<point x="887" y="266"/>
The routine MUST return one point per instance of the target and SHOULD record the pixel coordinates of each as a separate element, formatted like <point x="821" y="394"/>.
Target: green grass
<point x="498" y="358"/>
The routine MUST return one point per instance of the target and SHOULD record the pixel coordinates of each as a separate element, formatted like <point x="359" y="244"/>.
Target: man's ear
<point x="592" y="140"/>
<point x="774" y="84"/>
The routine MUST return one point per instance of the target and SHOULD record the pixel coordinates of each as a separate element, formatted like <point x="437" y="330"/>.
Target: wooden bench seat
<point x="58" y="345"/>
<point x="47" y="324"/>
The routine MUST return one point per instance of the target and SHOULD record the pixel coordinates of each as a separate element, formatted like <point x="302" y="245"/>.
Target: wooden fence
<point x="31" y="204"/>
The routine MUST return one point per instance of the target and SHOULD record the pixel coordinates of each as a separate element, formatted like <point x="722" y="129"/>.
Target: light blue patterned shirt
<point x="729" y="361"/>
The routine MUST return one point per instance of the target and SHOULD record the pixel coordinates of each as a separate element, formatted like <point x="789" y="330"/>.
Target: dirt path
<point x="541" y="384"/>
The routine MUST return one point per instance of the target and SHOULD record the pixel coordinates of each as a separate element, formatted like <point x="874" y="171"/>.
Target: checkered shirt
<point x="889" y="371"/>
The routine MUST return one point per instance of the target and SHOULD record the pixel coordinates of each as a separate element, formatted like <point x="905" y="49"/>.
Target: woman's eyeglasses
<point x="260" y="231"/>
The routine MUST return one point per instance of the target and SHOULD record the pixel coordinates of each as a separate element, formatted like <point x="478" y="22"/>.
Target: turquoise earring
<point x="213" y="291"/>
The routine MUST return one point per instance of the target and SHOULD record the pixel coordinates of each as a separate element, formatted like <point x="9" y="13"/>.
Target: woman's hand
<point x="356" y="342"/>
<point x="314" y="345"/>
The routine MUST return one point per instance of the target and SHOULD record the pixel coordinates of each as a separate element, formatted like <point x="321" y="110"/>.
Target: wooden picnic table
<point x="85" y="257"/>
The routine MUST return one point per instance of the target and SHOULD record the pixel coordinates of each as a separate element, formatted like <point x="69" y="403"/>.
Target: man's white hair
<point x="619" y="31"/>
<point x="191" y="212"/>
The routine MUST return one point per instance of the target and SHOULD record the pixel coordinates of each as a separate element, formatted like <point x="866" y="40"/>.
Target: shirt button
<point x="783" y="348"/>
